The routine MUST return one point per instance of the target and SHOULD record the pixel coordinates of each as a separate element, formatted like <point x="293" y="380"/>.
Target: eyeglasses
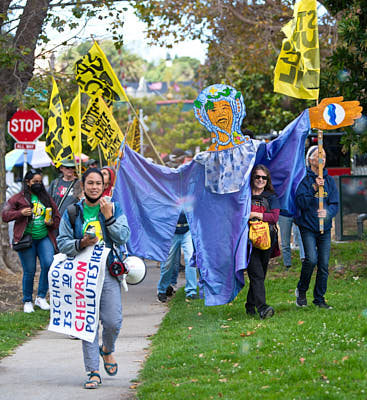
<point x="263" y="177"/>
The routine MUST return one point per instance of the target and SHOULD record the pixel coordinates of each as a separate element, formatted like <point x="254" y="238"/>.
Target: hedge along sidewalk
<point x="50" y="365"/>
<point x="219" y="352"/>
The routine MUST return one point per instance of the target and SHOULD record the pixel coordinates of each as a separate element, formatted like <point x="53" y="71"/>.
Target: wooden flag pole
<point x="321" y="175"/>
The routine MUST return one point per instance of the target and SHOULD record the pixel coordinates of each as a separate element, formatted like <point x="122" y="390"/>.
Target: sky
<point x="135" y="41"/>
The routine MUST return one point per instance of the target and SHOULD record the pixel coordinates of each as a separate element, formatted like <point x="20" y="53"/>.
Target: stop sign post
<point x="25" y="126"/>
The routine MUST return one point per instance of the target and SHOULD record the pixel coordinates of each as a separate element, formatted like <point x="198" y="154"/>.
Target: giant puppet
<point x="214" y="189"/>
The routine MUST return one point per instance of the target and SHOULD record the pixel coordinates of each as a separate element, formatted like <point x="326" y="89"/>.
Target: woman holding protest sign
<point x="264" y="208"/>
<point x="84" y="224"/>
<point x="36" y="221"/>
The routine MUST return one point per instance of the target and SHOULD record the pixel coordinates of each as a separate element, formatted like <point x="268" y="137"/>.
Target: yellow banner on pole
<point x="134" y="136"/>
<point x="99" y="124"/>
<point x="58" y="140"/>
<point x="95" y="76"/>
<point x="73" y="118"/>
<point x="297" y="72"/>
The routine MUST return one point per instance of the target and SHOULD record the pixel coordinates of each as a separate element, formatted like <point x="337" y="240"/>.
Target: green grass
<point x="221" y="353"/>
<point x="17" y="327"/>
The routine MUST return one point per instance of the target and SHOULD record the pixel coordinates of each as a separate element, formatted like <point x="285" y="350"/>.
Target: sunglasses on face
<point x="263" y="177"/>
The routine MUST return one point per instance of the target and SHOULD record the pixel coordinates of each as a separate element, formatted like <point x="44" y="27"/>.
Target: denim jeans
<point x="110" y="314"/>
<point x="167" y="268"/>
<point x="44" y="250"/>
<point x="176" y="269"/>
<point x="285" y="225"/>
<point x="317" y="252"/>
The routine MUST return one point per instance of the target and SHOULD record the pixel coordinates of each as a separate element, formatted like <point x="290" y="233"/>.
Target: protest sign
<point x="58" y="138"/>
<point x="95" y="76"/>
<point x="297" y="72"/>
<point x="75" y="285"/>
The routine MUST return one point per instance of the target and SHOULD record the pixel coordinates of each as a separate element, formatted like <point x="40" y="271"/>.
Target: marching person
<point x="286" y="226"/>
<point x="265" y="207"/>
<point x="65" y="189"/>
<point x="181" y="239"/>
<point x="110" y="225"/>
<point x="28" y="209"/>
<point x="109" y="180"/>
<point x="316" y="244"/>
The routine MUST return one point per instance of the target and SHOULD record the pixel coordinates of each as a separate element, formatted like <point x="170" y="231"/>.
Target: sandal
<point x="108" y="366"/>
<point x="93" y="383"/>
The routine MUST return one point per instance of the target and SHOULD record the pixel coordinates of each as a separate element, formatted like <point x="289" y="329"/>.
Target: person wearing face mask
<point x="316" y="244"/>
<point x="28" y="209"/>
<point x="110" y="225"/>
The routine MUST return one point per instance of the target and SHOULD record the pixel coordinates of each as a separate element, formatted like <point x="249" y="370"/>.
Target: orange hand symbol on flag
<point x="333" y="113"/>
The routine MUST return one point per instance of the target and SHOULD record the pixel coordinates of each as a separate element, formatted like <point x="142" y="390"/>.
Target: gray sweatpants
<point x="110" y="315"/>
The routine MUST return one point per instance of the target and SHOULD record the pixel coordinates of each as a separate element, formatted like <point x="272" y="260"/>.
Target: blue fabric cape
<point x="152" y="197"/>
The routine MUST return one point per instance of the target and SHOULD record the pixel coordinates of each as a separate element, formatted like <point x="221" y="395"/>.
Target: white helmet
<point x="136" y="270"/>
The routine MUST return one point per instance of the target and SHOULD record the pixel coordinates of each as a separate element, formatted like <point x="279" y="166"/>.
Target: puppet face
<point x="220" y="108"/>
<point x="221" y="115"/>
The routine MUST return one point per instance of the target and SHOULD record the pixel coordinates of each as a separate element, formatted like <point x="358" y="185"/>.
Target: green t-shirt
<point x="90" y="215"/>
<point x="37" y="227"/>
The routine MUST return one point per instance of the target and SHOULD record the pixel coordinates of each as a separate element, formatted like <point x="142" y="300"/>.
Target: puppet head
<point x="221" y="109"/>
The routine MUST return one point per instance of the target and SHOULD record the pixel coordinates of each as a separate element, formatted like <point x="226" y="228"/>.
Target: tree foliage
<point x="347" y="68"/>
<point x="23" y="26"/>
<point x="241" y="35"/>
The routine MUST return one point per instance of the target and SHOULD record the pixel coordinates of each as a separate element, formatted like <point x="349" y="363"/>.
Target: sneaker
<point x="42" y="303"/>
<point x="267" y="313"/>
<point x="28" y="307"/>
<point x="193" y="297"/>
<point x="162" y="297"/>
<point x="287" y="267"/>
<point x="301" y="298"/>
<point x="170" y="291"/>
<point x="324" y="305"/>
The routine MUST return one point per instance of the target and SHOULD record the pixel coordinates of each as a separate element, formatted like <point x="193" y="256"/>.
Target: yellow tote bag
<point x="260" y="234"/>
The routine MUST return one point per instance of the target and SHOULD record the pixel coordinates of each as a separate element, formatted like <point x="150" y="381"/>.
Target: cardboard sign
<point x="75" y="285"/>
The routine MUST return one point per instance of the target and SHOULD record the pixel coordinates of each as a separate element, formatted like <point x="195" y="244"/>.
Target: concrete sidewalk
<point x="50" y="365"/>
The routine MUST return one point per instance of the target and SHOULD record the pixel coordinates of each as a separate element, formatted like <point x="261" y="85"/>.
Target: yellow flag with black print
<point x="297" y="72"/>
<point x="73" y="119"/>
<point x="95" y="76"/>
<point x="109" y="132"/>
<point x="134" y="135"/>
<point x="99" y="124"/>
<point x="58" y="140"/>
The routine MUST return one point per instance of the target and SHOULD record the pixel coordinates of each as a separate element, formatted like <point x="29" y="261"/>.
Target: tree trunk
<point x="14" y="79"/>
<point x="5" y="265"/>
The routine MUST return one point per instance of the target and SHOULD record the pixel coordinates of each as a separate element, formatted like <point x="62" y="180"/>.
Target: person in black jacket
<point x="316" y="244"/>
<point x="265" y="207"/>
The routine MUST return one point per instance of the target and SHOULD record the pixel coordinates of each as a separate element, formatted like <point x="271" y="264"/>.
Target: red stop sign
<point x="26" y="125"/>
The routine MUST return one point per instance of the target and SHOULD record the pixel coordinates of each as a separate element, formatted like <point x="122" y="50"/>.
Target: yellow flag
<point x="101" y="128"/>
<point x="297" y="72"/>
<point x="58" y="141"/>
<point x="73" y="118"/>
<point x="96" y="77"/>
<point x="111" y="133"/>
<point x="88" y="123"/>
<point x="134" y="136"/>
<point x="93" y="142"/>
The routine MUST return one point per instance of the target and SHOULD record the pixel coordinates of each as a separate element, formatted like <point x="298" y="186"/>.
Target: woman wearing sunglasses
<point x="265" y="207"/>
<point x="28" y="209"/>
